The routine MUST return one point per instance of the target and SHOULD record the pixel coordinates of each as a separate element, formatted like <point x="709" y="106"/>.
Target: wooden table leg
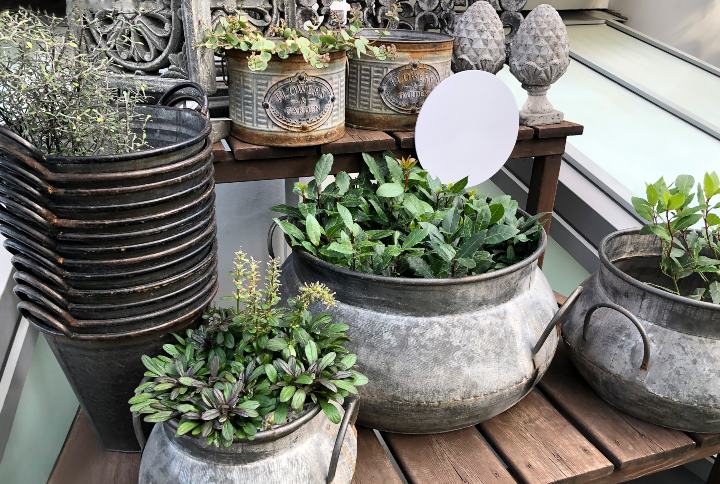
<point x="715" y="472"/>
<point x="543" y="187"/>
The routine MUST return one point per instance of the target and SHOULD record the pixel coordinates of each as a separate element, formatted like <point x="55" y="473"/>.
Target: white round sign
<point x="467" y="126"/>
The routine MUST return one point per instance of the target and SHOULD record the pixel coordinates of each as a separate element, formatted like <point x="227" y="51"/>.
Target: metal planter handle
<point x="557" y="319"/>
<point x="643" y="334"/>
<point x="200" y="96"/>
<point x="16" y="144"/>
<point x="270" y="235"/>
<point x="351" y="411"/>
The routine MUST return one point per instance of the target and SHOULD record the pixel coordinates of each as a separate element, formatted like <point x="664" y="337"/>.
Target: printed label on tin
<point x="405" y="88"/>
<point x="300" y="102"/>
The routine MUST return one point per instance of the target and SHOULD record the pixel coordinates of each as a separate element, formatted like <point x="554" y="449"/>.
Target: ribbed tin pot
<point x="650" y="353"/>
<point x="290" y="103"/>
<point x="308" y="450"/>
<point x="440" y="354"/>
<point x="388" y="94"/>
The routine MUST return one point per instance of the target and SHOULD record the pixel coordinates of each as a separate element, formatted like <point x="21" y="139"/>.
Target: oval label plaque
<point x="300" y="102"/>
<point x="405" y="88"/>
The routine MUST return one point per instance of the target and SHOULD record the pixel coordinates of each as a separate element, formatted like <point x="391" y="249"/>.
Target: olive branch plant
<point x="59" y="97"/>
<point x="253" y="366"/>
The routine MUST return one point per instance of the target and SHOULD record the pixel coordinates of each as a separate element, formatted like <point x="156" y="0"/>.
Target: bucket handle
<point x="351" y="411"/>
<point x="643" y="334"/>
<point x="270" y="235"/>
<point x="44" y="316"/>
<point x="199" y="97"/>
<point x="557" y="319"/>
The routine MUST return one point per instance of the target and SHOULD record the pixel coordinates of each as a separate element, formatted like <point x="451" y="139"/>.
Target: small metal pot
<point x="440" y="354"/>
<point x="388" y="94"/>
<point x="290" y="103"/>
<point x="652" y="354"/>
<point x="308" y="450"/>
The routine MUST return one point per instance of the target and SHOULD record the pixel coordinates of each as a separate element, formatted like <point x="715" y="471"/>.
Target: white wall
<point x="692" y="26"/>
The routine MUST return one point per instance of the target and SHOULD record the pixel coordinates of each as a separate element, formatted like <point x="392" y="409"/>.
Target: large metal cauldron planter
<point x="388" y="94"/>
<point x="113" y="252"/>
<point x="652" y="354"/>
<point x="440" y="354"/>
<point x="290" y="103"/>
<point x="308" y="450"/>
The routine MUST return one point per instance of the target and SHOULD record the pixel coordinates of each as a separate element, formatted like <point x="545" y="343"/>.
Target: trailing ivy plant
<point x="253" y="366"/>
<point x="394" y="219"/>
<point x="688" y="225"/>
<point x="238" y="33"/>
<point x="59" y="98"/>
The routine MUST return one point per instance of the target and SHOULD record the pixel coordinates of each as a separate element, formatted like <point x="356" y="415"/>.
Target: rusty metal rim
<point x="288" y="138"/>
<point x="193" y="314"/>
<point x="238" y="54"/>
<point x="403" y="36"/>
<point x="143" y="271"/>
<point x="25" y="265"/>
<point x="609" y="265"/>
<point x="74" y="323"/>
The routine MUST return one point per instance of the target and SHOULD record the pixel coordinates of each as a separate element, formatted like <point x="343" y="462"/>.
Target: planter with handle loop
<point x="113" y="252"/>
<point x="308" y="450"/>
<point x="440" y="354"/>
<point x="651" y="353"/>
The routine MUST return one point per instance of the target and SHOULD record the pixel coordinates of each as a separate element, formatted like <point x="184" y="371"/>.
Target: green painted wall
<point x="45" y="412"/>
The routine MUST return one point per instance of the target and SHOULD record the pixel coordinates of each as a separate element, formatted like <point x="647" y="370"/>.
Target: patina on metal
<point x="650" y="353"/>
<point x="388" y="94"/>
<point x="440" y="354"/>
<point x="290" y="103"/>
<point x="308" y="450"/>
<point x="112" y="252"/>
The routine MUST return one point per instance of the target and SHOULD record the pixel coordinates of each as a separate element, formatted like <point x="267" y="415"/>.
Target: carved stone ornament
<point x="540" y="56"/>
<point x="479" y="40"/>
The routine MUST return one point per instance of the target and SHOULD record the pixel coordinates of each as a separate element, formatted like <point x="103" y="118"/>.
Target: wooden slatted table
<point x="236" y="161"/>
<point x="561" y="432"/>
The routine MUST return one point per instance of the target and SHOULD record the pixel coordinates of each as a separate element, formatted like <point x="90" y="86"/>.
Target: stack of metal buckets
<point x="112" y="253"/>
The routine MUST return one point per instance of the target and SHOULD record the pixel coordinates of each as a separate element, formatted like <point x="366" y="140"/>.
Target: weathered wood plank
<point x="221" y="154"/>
<point x="538" y="147"/>
<point x="525" y="132"/>
<point x="540" y="445"/>
<point x="705" y="440"/>
<point x="405" y="139"/>
<point x="454" y="457"/>
<point x="559" y="130"/>
<point x="373" y="464"/>
<point x="83" y="460"/>
<point x="543" y="186"/>
<point x="628" y="442"/>
<point x="359" y="141"/>
<point x="247" y="151"/>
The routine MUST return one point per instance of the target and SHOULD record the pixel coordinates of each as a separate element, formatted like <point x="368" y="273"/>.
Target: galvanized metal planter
<point x="308" y="450"/>
<point x="113" y="252"/>
<point x="290" y="103"/>
<point x="388" y="94"/>
<point x="650" y="353"/>
<point x="440" y="354"/>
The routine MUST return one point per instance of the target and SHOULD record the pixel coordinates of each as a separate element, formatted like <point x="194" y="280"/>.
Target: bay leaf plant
<point x="238" y="33"/>
<point x="394" y="219"/>
<point x="686" y="219"/>
<point x="253" y="366"/>
<point x="57" y="96"/>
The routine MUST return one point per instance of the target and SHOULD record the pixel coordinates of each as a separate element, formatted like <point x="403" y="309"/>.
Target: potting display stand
<point x="562" y="431"/>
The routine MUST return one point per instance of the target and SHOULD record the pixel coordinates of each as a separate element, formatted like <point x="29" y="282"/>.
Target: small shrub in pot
<point x="440" y="286"/>
<point x="252" y="377"/>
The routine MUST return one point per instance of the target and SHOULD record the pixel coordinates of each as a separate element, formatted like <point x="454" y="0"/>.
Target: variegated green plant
<point x="253" y="366"/>
<point x="394" y="219"/>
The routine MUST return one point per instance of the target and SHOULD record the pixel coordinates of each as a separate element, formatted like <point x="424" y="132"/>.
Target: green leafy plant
<point x="238" y="33"/>
<point x="688" y="225"/>
<point x="59" y="98"/>
<point x="394" y="219"/>
<point x="253" y="366"/>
